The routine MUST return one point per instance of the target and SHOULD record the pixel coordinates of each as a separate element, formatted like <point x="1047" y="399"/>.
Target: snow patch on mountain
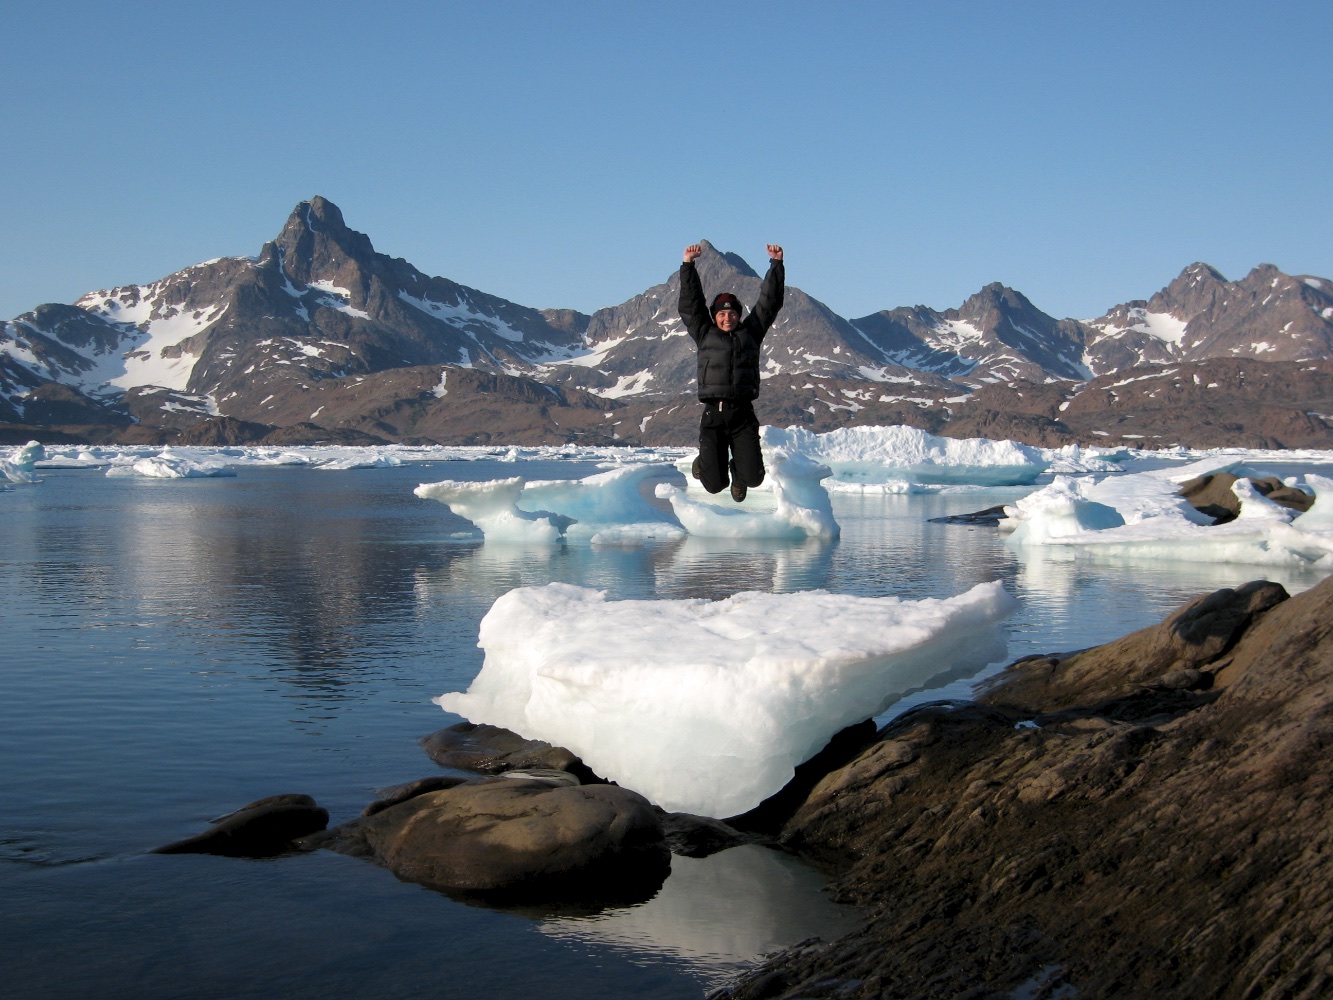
<point x="150" y="355"/>
<point x="463" y="316"/>
<point x="955" y="334"/>
<point x="593" y="356"/>
<point x="1161" y="326"/>
<point x="339" y="299"/>
<point x="626" y="385"/>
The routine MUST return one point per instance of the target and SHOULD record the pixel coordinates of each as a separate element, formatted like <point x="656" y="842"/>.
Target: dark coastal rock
<point x="491" y="750"/>
<point x="1191" y="639"/>
<point x="394" y="794"/>
<point x="769" y="816"/>
<point x="990" y="517"/>
<point x="701" y="836"/>
<point x="1212" y="495"/>
<point x="261" y="829"/>
<point x="1165" y="835"/>
<point x="545" y="775"/>
<point x="518" y="839"/>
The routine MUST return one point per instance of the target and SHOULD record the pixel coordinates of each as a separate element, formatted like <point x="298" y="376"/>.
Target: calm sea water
<point x="170" y="650"/>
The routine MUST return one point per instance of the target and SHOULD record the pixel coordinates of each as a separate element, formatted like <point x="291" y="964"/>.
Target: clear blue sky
<point x="562" y="153"/>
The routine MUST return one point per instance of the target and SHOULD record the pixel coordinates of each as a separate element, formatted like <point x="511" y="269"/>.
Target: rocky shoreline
<point x="1144" y="818"/>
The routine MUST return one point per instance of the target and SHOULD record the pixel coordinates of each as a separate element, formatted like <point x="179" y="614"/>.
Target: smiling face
<point x="727" y="319"/>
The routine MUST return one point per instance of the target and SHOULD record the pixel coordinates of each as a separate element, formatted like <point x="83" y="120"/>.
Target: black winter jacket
<point x="729" y="362"/>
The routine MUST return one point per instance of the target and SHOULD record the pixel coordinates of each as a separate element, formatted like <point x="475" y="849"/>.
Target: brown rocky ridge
<point x="319" y="338"/>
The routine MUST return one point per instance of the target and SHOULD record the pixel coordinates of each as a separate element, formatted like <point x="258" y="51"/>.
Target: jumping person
<point x="729" y="373"/>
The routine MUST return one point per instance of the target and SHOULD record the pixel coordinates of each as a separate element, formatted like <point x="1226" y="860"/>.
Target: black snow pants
<point x="729" y="445"/>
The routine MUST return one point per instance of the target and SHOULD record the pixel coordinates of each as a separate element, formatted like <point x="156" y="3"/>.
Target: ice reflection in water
<point x="717" y="916"/>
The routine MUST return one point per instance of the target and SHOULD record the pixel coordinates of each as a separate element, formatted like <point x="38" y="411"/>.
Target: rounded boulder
<point x="523" y="837"/>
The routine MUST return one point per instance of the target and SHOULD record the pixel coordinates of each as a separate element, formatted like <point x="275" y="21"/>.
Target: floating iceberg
<point x="493" y="507"/>
<point x="21" y="466"/>
<point x="707" y="707"/>
<point x="371" y="460"/>
<point x="608" y="507"/>
<point x="604" y="508"/>
<point x="1142" y="516"/>
<point x="800" y="507"/>
<point x="889" y="454"/>
<point x="170" y="465"/>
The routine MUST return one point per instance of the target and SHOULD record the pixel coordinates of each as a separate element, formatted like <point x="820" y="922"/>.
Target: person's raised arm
<point x="693" y="308"/>
<point x="772" y="291"/>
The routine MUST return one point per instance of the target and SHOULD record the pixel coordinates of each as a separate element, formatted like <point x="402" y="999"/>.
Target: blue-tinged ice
<point x="21" y="465"/>
<point x="792" y="506"/>
<point x="1143" y="517"/>
<point x="170" y="464"/>
<point x="604" y="508"/>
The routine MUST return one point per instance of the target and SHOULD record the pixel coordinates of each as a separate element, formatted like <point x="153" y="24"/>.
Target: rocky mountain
<point x="321" y="337"/>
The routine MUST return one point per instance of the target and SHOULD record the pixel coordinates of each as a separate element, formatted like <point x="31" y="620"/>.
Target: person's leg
<point x="713" y="450"/>
<point x="747" y="458"/>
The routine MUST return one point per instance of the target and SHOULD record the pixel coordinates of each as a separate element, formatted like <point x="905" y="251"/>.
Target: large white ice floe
<point x="21" y="465"/>
<point x="1142" y="516"/>
<point x="604" y="508"/>
<point x="873" y="456"/>
<point x="170" y="465"/>
<point x="708" y="706"/>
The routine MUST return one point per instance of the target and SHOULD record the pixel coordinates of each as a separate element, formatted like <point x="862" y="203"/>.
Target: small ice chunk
<point x="607" y="507"/>
<point x="373" y="460"/>
<point x="707" y="707"/>
<point x="1319" y="518"/>
<point x="170" y="465"/>
<point x="604" y="508"/>
<point x="1057" y="511"/>
<point x="800" y="510"/>
<point x="493" y="507"/>
<point x="21" y="466"/>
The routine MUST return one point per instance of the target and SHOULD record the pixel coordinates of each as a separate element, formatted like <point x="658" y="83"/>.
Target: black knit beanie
<point x="724" y="300"/>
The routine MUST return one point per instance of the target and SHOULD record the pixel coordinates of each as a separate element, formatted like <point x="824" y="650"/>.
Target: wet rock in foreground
<point x="262" y="829"/>
<point x="490" y="749"/>
<point x="1147" y="818"/>
<point x="521" y="839"/>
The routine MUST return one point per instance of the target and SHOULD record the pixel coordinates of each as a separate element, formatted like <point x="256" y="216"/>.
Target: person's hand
<point x="692" y="251"/>
<point x="774" y="251"/>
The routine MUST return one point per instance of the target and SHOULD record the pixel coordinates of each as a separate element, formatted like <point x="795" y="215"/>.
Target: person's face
<point x="727" y="319"/>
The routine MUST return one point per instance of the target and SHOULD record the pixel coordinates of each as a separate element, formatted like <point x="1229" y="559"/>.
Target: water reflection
<point x="713" y="569"/>
<point x="718" y="915"/>
<point x="325" y="581"/>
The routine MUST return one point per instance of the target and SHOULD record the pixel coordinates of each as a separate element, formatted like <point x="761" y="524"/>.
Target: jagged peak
<point x="314" y="237"/>
<point x="1264" y="273"/>
<point x="735" y="261"/>
<point x="1199" y="271"/>
<point x="320" y="217"/>
<point x="997" y="295"/>
<point x="322" y="214"/>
